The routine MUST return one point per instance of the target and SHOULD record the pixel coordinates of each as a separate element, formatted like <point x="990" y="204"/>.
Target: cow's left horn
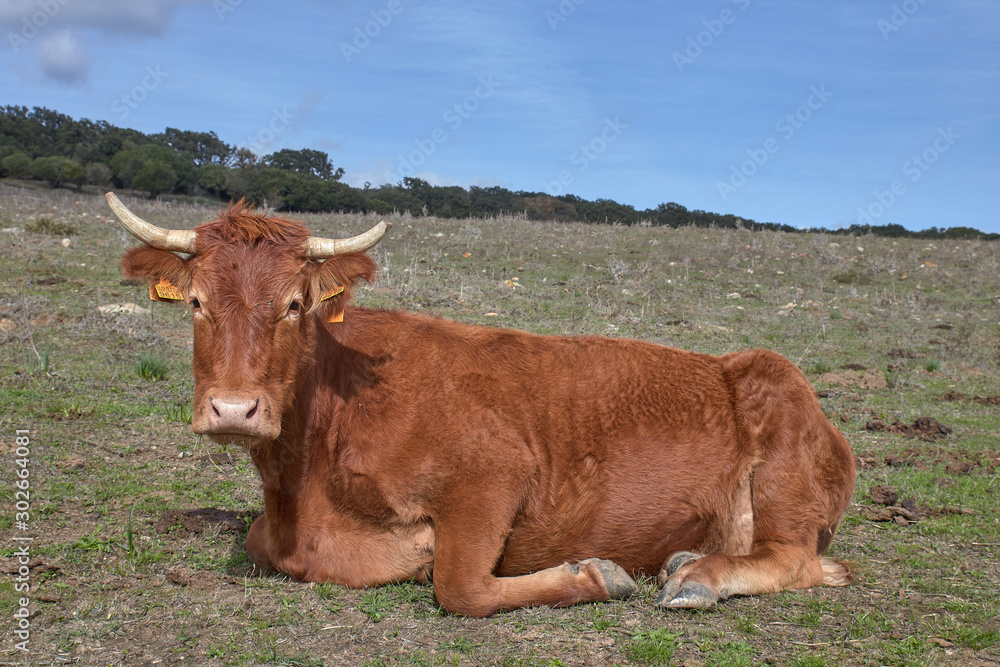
<point x="175" y="240"/>
<point x="323" y="248"/>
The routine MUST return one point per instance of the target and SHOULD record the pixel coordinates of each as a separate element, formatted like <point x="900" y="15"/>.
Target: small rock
<point x="66" y="242"/>
<point x="7" y="326"/>
<point x="901" y="521"/>
<point x="131" y="308"/>
<point x="50" y="598"/>
<point x="909" y="504"/>
<point x="958" y="468"/>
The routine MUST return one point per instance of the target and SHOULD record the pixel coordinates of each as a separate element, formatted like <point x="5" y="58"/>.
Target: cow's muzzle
<point x="234" y="418"/>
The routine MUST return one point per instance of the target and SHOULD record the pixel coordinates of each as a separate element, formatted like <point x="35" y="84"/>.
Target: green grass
<point x="653" y="647"/>
<point x="107" y="464"/>
<point x="179" y="412"/>
<point x="820" y="367"/>
<point x="377" y="603"/>
<point x="460" y="645"/>
<point x="151" y="367"/>
<point x="808" y="661"/>
<point x="729" y="654"/>
<point x="976" y="639"/>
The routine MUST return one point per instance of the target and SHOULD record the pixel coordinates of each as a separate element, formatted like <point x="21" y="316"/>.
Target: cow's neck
<point x="330" y="371"/>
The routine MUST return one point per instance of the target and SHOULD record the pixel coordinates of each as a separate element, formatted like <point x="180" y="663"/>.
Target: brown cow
<point x="512" y="468"/>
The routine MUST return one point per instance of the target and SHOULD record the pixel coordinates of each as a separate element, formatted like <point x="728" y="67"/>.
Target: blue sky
<point x="809" y="114"/>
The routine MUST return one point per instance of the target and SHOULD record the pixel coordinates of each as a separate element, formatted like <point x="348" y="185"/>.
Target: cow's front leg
<point x="343" y="551"/>
<point x="467" y="552"/>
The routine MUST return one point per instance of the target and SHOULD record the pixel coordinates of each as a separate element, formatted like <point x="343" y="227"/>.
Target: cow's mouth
<point x="245" y="440"/>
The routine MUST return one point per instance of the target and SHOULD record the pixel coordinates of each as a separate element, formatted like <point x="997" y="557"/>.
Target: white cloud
<point x="62" y="57"/>
<point x="55" y="33"/>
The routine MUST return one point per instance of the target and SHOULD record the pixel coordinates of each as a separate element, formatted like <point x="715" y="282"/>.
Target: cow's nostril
<point x="214" y="409"/>
<point x="253" y="410"/>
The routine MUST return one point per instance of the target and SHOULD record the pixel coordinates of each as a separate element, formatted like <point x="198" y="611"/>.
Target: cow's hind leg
<point x="691" y="580"/>
<point x="791" y="526"/>
<point x="793" y="520"/>
<point x="801" y="478"/>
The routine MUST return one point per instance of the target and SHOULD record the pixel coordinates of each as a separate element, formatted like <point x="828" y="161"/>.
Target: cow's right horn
<point x="320" y="248"/>
<point x="175" y="240"/>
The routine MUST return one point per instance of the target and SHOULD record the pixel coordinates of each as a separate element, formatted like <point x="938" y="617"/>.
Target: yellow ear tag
<point x="164" y="291"/>
<point x="334" y="291"/>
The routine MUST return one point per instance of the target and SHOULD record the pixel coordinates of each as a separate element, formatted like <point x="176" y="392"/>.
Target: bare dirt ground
<point x="137" y="527"/>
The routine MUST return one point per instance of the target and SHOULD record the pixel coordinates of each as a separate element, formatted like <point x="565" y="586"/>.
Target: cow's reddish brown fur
<point x="394" y="446"/>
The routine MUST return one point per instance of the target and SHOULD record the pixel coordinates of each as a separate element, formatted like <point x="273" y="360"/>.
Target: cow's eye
<point x="195" y="304"/>
<point x="293" y="309"/>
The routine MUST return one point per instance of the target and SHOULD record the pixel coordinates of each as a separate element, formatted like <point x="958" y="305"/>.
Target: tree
<point x="127" y="163"/>
<point x="671" y="214"/>
<point x="244" y="158"/>
<point x="306" y="162"/>
<point x="73" y="172"/>
<point x="201" y="147"/>
<point x="154" y="177"/>
<point x="494" y="200"/>
<point x="57" y="170"/>
<point x="17" y="165"/>
<point x="98" y="173"/>
<point x="212" y="177"/>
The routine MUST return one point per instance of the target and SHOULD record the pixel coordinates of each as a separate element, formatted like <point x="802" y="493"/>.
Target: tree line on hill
<point x="46" y="145"/>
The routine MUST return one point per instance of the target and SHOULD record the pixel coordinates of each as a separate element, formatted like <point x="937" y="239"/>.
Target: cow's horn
<point x="323" y="248"/>
<point x="175" y="240"/>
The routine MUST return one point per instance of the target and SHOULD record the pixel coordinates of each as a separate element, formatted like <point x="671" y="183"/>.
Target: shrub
<point x="150" y="367"/>
<point x="48" y="226"/>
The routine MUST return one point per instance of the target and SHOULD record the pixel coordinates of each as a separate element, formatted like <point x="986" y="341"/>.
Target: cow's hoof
<point x="616" y="580"/>
<point x="675" y="562"/>
<point x="688" y="595"/>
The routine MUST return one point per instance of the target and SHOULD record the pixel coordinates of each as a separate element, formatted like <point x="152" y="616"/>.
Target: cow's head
<point x="257" y="287"/>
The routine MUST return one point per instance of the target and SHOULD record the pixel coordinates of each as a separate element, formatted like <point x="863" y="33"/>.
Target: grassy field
<point x="129" y="566"/>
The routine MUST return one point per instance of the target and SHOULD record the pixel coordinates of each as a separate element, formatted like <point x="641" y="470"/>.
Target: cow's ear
<point x="332" y="283"/>
<point x="153" y="267"/>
